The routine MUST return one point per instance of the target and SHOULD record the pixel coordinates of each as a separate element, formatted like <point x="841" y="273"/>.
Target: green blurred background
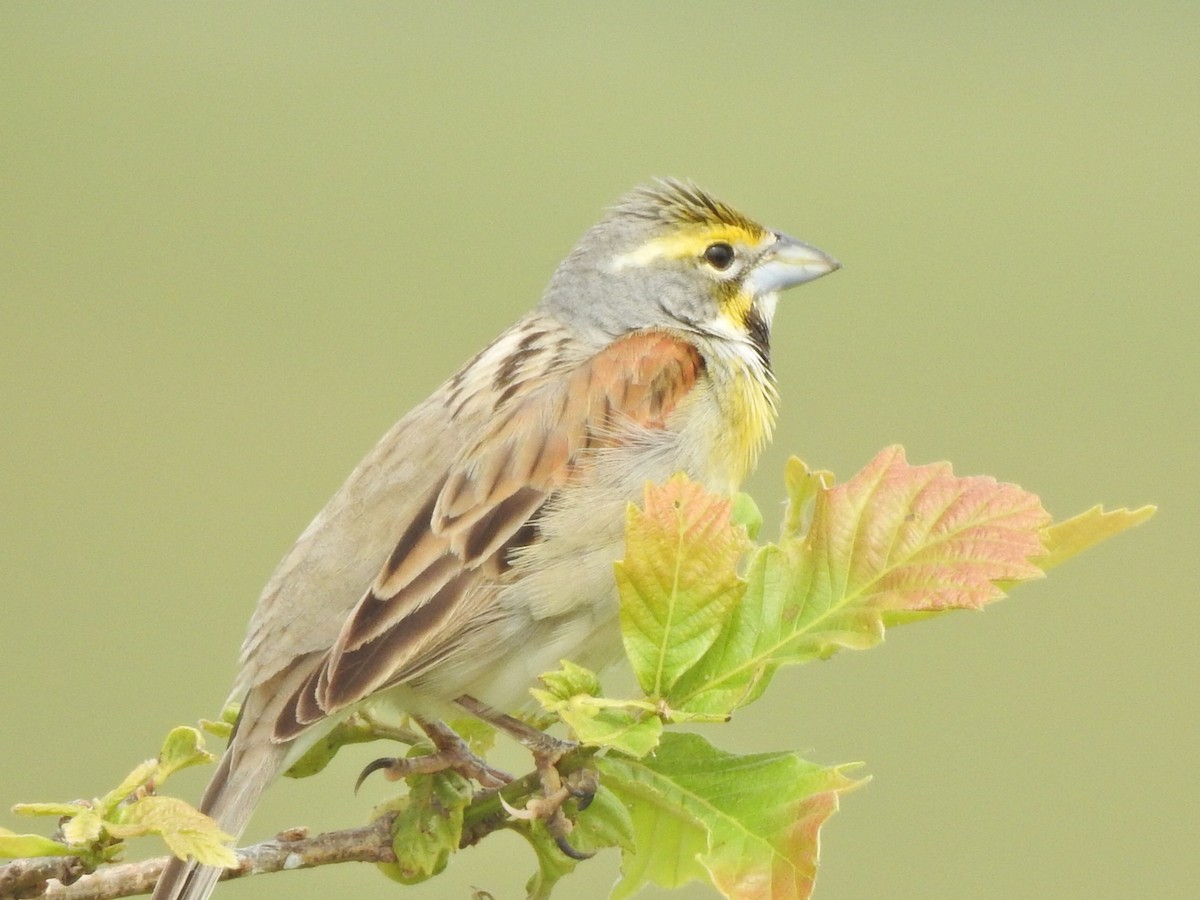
<point x="238" y="241"/>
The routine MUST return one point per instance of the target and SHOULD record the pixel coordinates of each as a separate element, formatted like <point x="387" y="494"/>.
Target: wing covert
<point x="458" y="544"/>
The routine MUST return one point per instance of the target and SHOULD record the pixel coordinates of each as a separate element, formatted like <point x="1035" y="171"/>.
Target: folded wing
<point x="461" y="540"/>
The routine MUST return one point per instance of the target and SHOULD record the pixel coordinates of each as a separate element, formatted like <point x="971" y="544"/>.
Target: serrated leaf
<point x="678" y="580"/>
<point x="747" y="825"/>
<point x="21" y="846"/>
<point x="184" y="829"/>
<point x="894" y="541"/>
<point x="428" y="826"/>
<point x="1072" y="536"/>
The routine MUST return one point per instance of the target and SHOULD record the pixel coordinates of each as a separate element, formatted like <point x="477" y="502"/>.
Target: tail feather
<point x="231" y="797"/>
<point x="249" y="764"/>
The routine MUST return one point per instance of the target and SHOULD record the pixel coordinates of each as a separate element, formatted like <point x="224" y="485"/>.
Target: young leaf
<point x="678" y="580"/>
<point x="604" y="823"/>
<point x="746" y="513"/>
<point x="17" y="846"/>
<point x="893" y="541"/>
<point x="223" y="727"/>
<point x="802" y="487"/>
<point x="573" y="693"/>
<point x="135" y="780"/>
<point x="186" y="830"/>
<point x="48" y="809"/>
<point x="428" y="827"/>
<point x="552" y="864"/>
<point x="83" y="829"/>
<point x="747" y="825"/>
<point x="354" y="729"/>
<point x="182" y="747"/>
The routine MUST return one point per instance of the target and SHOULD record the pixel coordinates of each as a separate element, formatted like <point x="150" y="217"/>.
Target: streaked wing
<point x="485" y="507"/>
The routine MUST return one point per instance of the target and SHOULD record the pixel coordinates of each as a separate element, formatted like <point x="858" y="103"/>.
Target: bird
<point x="472" y="548"/>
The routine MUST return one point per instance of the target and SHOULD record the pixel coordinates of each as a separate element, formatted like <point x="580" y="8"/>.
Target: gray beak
<point x="787" y="263"/>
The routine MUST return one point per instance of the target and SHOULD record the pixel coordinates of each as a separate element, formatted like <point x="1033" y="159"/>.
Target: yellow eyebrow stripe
<point x="688" y="242"/>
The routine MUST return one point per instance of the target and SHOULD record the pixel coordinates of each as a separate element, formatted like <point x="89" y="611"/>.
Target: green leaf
<point x="182" y="748"/>
<point x="894" y="542"/>
<point x="802" y="489"/>
<point x="569" y="680"/>
<point x="573" y="693"/>
<point x="134" y="781"/>
<point x="597" y="723"/>
<point x="747" y="514"/>
<point x="351" y="730"/>
<point x="83" y="829"/>
<point x="552" y="864"/>
<point x="49" y="809"/>
<point x="19" y="846"/>
<point x="223" y="727"/>
<point x="428" y="826"/>
<point x="747" y="825"/>
<point x="678" y="581"/>
<point x="604" y="823"/>
<point x="186" y="830"/>
<point x="741" y="661"/>
<point x="1073" y="536"/>
<point x="479" y="736"/>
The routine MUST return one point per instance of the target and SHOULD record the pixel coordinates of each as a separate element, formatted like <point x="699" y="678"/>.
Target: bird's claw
<point x="450" y="753"/>
<point x="580" y="784"/>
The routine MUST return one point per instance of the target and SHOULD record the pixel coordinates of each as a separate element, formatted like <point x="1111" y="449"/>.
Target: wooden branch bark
<point x="286" y="851"/>
<point x="66" y="878"/>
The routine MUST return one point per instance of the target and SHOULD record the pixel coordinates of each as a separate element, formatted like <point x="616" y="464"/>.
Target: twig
<point x="23" y="878"/>
<point x="286" y="851"/>
<point x="64" y="877"/>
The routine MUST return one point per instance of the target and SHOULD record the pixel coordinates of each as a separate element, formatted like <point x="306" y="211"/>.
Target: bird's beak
<point x="787" y="263"/>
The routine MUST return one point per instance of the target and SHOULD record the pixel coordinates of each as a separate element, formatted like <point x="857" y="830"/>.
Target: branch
<point x="28" y="877"/>
<point x="289" y="850"/>
<point x="63" y="877"/>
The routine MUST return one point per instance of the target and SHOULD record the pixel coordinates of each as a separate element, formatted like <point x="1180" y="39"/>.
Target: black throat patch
<point x="760" y="336"/>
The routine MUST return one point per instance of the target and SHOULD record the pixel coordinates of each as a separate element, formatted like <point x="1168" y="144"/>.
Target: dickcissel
<point x="473" y="548"/>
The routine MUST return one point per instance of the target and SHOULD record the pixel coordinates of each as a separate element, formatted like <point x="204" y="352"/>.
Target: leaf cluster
<point x="708" y="616"/>
<point x="96" y="830"/>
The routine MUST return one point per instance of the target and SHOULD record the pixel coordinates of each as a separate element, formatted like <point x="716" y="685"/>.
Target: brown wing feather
<point x="486" y="507"/>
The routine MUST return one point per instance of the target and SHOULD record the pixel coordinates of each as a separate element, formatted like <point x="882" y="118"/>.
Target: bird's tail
<point x="249" y="764"/>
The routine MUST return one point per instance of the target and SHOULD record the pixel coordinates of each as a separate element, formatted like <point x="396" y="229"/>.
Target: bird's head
<point x="669" y="255"/>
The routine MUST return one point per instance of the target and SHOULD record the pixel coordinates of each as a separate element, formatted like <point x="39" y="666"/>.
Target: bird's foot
<point x="580" y="784"/>
<point x="450" y="753"/>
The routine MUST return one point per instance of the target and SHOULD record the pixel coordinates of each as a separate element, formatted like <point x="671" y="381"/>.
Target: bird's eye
<point x="719" y="255"/>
